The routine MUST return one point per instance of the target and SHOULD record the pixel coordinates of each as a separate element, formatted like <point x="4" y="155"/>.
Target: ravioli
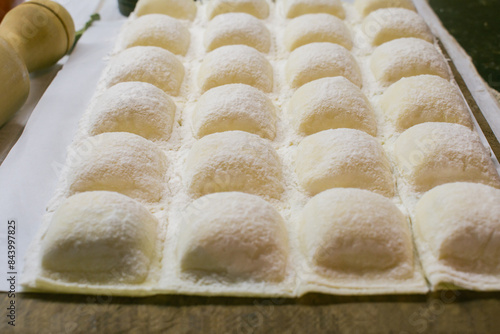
<point x="150" y="64"/>
<point x="233" y="235"/>
<point x="121" y="162"/>
<point x="235" y="64"/>
<point x="319" y="60"/>
<point x="234" y="107"/>
<point x="135" y="107"/>
<point x="233" y="161"/>
<point x="407" y="57"/>
<point x="343" y="158"/>
<point x="100" y="237"/>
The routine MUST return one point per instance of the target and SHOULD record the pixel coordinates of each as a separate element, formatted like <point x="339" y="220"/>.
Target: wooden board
<point x="441" y="312"/>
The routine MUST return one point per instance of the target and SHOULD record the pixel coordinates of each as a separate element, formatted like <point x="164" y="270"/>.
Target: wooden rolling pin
<point x="33" y="35"/>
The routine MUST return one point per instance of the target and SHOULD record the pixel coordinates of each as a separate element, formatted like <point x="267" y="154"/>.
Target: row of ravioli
<point x="436" y="147"/>
<point x="111" y="237"/>
<point x="339" y="152"/>
<point x="445" y="176"/>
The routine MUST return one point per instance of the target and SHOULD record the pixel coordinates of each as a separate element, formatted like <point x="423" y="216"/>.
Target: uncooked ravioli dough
<point x="365" y="7"/>
<point x="99" y="237"/>
<point x="150" y="64"/>
<point x="237" y="28"/>
<point x="356" y="232"/>
<point x="180" y="9"/>
<point x="135" y="107"/>
<point x="331" y="103"/>
<point x="430" y="154"/>
<point x="118" y="161"/>
<point x="257" y="8"/>
<point x="319" y="60"/>
<point x="157" y="30"/>
<point x="235" y="64"/>
<point x="344" y="158"/>
<point x="406" y="57"/>
<point x="312" y="28"/>
<point x="423" y="98"/>
<point x="233" y="235"/>
<point x="294" y="8"/>
<point x="233" y="161"/>
<point x="280" y="189"/>
<point x="384" y="25"/>
<point x="234" y="107"/>
<point x="460" y="224"/>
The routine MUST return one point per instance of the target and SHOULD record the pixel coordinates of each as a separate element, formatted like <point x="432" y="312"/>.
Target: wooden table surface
<point x="440" y="312"/>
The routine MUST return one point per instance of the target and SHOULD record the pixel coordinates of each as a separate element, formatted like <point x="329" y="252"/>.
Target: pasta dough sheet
<point x="256" y="148"/>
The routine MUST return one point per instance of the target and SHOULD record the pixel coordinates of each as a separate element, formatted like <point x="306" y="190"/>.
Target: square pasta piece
<point x="229" y="243"/>
<point x="98" y="242"/>
<point x="354" y="242"/>
<point x="457" y="230"/>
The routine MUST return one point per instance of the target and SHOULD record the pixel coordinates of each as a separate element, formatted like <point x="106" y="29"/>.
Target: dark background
<point x="476" y="26"/>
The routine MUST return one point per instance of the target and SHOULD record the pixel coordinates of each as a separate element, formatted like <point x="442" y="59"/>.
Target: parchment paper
<point x="29" y="174"/>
